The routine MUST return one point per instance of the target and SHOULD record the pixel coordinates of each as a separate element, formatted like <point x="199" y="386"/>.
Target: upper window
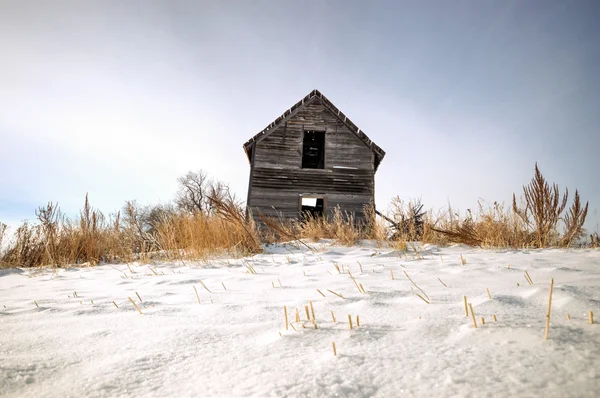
<point x="313" y="150"/>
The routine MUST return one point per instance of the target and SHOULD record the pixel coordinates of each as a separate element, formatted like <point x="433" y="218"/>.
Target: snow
<point x="235" y="343"/>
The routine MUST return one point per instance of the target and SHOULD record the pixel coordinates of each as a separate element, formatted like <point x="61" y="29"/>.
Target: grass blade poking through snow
<point x="422" y="298"/>
<point x="337" y="294"/>
<point x="473" y="315"/>
<point x="549" y="309"/>
<point x="413" y="282"/>
<point x="197" y="295"/>
<point x="135" y="305"/>
<point x="204" y="286"/>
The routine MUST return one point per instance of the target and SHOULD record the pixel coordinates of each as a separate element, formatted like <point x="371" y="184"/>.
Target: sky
<point x="119" y="98"/>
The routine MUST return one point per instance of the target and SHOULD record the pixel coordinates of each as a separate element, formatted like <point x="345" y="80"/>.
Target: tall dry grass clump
<point x="341" y="227"/>
<point x="135" y="233"/>
<point x="57" y="240"/>
<point x="535" y="221"/>
<point x="543" y="210"/>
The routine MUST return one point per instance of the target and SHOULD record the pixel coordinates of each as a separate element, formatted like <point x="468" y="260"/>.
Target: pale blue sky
<point x="119" y="98"/>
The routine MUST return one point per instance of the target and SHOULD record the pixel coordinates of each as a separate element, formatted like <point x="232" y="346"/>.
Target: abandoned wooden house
<point x="310" y="160"/>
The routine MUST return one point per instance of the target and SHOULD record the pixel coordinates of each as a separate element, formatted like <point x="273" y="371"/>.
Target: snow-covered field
<point x="235" y="343"/>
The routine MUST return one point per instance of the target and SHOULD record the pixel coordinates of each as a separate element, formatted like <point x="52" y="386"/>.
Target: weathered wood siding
<point x="277" y="177"/>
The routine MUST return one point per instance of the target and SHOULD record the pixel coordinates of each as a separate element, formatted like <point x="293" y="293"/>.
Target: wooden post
<point x="549" y="310"/>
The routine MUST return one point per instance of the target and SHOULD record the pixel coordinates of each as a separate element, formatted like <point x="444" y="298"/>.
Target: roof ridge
<point x="331" y="107"/>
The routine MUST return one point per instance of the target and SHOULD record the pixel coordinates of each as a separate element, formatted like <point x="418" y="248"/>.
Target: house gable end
<point x="315" y="95"/>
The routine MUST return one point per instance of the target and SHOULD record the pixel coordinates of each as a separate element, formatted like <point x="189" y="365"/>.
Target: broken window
<point x="312" y="208"/>
<point x="313" y="150"/>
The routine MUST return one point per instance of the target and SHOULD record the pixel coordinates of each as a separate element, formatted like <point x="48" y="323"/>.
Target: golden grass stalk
<point x="591" y="317"/>
<point x="528" y="277"/>
<point x="280" y="285"/>
<point x="297" y="315"/>
<point x="549" y="310"/>
<point x="422" y="298"/>
<point x="355" y="283"/>
<point x="360" y="265"/>
<point x="273" y="284"/>
<point x="363" y="289"/>
<point x="463" y="260"/>
<point x="568" y="317"/>
<point x="320" y="292"/>
<point x="135" y="305"/>
<point x="138" y="295"/>
<point x="115" y="304"/>
<point x="333" y="316"/>
<point x="292" y="326"/>
<point x="488" y="293"/>
<point x="287" y="323"/>
<point x="197" y="295"/>
<point x="307" y="313"/>
<point x="224" y="288"/>
<point x="442" y="282"/>
<point x="413" y="282"/>
<point x="334" y="350"/>
<point x="350" y="321"/>
<point x="357" y="321"/>
<point x="482" y="321"/>
<point x="473" y="315"/>
<point x="466" y="308"/>
<point x="312" y="311"/>
<point x="392" y="274"/>
<point x="495" y="319"/>
<point x="36" y="303"/>
<point x="337" y="294"/>
<point x="204" y="286"/>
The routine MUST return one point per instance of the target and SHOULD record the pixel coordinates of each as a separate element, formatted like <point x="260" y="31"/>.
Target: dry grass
<point x="213" y="222"/>
<point x="90" y="238"/>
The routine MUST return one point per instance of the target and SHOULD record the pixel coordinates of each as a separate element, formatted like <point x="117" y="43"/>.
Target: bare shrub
<point x="192" y="192"/>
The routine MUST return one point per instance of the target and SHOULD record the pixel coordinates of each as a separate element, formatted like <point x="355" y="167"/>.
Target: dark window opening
<point x="312" y="208"/>
<point x="313" y="150"/>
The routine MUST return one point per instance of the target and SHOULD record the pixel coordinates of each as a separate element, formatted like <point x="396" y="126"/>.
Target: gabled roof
<point x="315" y="95"/>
